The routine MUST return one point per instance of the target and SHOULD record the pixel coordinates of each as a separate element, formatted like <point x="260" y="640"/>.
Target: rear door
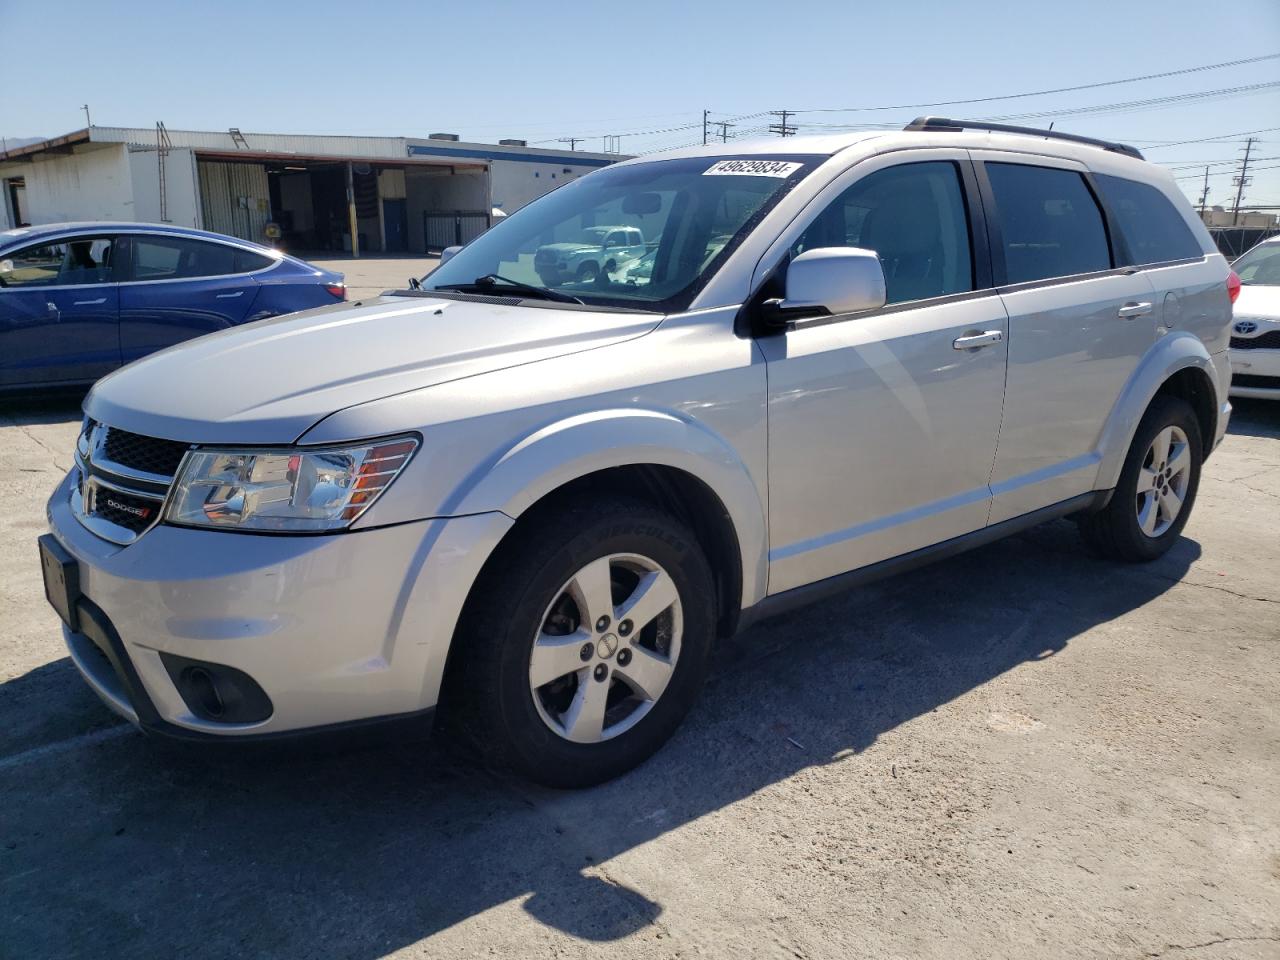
<point x="58" y="311"/>
<point x="1080" y="319"/>
<point x="183" y="287"/>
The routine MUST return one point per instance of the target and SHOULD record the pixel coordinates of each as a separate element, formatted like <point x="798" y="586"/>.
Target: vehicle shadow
<point x="117" y="847"/>
<point x="1255" y="418"/>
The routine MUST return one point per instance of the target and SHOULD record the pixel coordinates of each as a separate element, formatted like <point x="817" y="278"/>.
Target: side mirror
<point x="447" y="254"/>
<point x="833" y="280"/>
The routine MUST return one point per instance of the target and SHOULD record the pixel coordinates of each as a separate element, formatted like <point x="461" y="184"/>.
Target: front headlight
<point x="293" y="489"/>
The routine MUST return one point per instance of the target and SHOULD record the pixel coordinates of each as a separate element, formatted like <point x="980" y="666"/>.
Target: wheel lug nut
<point x="624" y="628"/>
<point x="624" y="657"/>
<point x="587" y="650"/>
<point x="602" y="624"/>
<point x="601" y="671"/>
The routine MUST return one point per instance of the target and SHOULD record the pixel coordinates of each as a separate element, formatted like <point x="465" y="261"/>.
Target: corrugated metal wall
<point x="391" y="148"/>
<point x="234" y="198"/>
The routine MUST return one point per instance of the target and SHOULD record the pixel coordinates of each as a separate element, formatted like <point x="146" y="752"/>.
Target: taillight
<point x="1233" y="286"/>
<point x="339" y="290"/>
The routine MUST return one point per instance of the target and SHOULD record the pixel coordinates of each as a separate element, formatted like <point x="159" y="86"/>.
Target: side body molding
<point x="1172" y="353"/>
<point x="586" y="443"/>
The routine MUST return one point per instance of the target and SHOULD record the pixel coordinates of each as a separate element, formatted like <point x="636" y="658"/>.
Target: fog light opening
<point x="205" y="690"/>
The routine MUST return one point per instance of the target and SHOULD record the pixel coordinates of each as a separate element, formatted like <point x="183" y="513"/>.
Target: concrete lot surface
<point x="1020" y="752"/>
<point x="369" y="276"/>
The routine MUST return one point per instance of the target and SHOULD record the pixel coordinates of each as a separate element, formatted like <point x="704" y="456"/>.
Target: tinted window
<point x="67" y="262"/>
<point x="171" y="258"/>
<point x="248" y="261"/>
<point x="913" y="217"/>
<point x="1152" y="227"/>
<point x="1051" y="224"/>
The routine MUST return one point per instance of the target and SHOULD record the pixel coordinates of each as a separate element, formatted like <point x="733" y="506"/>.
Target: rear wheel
<point x="585" y="643"/>
<point x="1157" y="487"/>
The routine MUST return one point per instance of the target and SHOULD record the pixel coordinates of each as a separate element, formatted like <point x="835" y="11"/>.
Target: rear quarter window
<point x="1152" y="227"/>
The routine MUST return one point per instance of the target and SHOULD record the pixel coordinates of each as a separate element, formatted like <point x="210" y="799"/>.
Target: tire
<point x="588" y="272"/>
<point x="1136" y="525"/>
<point x="524" y="615"/>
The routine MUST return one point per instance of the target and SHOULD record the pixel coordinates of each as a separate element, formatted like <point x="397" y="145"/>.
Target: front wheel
<point x="1157" y="487"/>
<point x="584" y="643"/>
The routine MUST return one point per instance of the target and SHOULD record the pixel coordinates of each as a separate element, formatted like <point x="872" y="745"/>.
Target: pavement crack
<point x="1171" y="947"/>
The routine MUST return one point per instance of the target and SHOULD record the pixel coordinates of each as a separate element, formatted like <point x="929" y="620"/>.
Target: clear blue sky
<point x="491" y="68"/>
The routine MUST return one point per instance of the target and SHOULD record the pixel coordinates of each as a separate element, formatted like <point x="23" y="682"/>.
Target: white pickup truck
<point x="596" y="249"/>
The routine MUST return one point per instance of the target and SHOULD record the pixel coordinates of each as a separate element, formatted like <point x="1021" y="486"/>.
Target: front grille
<point x="124" y="509"/>
<point x="1253" y="380"/>
<point x="148" y="454"/>
<point x="1267" y="341"/>
<point x="124" y="478"/>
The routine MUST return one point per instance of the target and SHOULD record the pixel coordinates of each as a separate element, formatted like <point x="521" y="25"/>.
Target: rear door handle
<point x="973" y="341"/>
<point x="1133" y="309"/>
<point x="90" y="303"/>
<point x="229" y="296"/>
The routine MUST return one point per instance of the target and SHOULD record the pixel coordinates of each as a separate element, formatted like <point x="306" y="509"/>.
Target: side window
<point x="1051" y="224"/>
<point x="614" y="240"/>
<point x="174" y="258"/>
<point x="913" y="216"/>
<point x="74" y="262"/>
<point x="1153" y="229"/>
<point x="247" y="261"/>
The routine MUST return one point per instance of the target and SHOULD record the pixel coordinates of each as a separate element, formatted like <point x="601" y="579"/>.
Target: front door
<point x="395" y="221"/>
<point x="58" y="312"/>
<point x="1078" y="326"/>
<point x="883" y="427"/>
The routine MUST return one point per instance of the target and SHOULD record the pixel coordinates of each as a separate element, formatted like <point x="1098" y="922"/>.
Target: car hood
<point x="1256" y="300"/>
<point x="569" y="246"/>
<point x="271" y="381"/>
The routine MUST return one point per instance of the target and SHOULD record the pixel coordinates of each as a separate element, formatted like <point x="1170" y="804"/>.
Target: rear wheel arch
<point x="1194" y="385"/>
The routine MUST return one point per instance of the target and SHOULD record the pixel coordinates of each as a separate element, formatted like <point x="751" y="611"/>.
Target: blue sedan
<point x="78" y="300"/>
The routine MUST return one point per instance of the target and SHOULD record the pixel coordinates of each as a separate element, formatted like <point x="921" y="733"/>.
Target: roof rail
<point x="945" y="123"/>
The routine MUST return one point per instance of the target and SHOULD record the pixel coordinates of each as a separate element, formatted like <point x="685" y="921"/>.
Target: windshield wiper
<point x="489" y="283"/>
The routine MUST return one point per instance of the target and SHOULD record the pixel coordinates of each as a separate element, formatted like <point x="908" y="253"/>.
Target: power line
<point x="1221" y="136"/>
<point x="1042" y="93"/>
<point x="1223" y="92"/>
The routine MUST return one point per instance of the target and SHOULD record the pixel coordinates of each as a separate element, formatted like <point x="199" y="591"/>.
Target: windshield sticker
<point x="752" y="168"/>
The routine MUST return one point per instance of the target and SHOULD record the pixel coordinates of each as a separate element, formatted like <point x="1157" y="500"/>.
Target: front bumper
<point x="336" y="629"/>
<point x="1255" y="373"/>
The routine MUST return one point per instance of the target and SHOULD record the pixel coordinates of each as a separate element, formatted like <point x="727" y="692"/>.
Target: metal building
<point x="319" y="193"/>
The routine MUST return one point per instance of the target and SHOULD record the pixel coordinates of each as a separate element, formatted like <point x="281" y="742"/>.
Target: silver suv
<point x="540" y="507"/>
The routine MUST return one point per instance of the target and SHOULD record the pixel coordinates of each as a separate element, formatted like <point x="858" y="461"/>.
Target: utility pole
<point x="571" y="141"/>
<point x="724" y="126"/>
<point x="1242" y="181"/>
<point x="87" y="121"/>
<point x="782" y="128"/>
<point x="704" y="126"/>
<point x="1204" y="196"/>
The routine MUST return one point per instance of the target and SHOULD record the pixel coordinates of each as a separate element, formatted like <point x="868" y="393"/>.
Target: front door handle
<point x="1133" y="309"/>
<point x="228" y="296"/>
<point x="972" y="341"/>
<point x="90" y="303"/>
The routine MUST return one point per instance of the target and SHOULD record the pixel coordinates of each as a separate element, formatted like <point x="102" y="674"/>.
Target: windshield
<point x="1260" y="266"/>
<point x="646" y="236"/>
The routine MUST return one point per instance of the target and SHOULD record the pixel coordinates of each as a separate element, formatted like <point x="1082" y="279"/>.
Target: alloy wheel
<point x="1162" y="481"/>
<point x="606" y="649"/>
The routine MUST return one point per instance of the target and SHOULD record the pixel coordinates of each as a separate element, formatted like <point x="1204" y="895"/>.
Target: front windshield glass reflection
<point x="646" y="235"/>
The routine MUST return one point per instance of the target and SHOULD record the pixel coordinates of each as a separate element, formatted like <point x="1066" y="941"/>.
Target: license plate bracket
<point x="61" y="579"/>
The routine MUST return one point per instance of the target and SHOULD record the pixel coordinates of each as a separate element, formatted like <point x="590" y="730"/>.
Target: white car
<point x="1255" y="329"/>
<point x="596" y="249"/>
